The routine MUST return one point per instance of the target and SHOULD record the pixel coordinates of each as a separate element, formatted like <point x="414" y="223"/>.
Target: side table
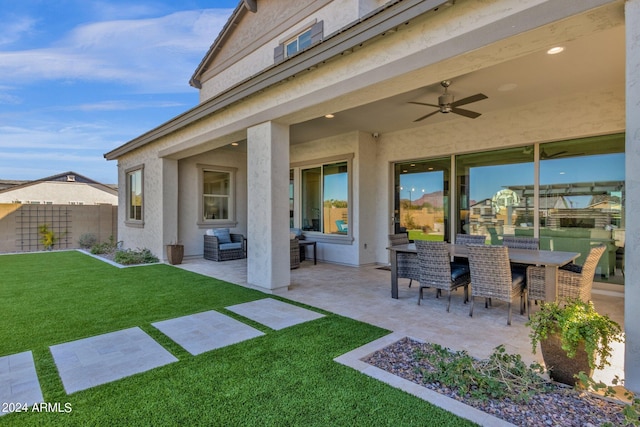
<point x="305" y="243"/>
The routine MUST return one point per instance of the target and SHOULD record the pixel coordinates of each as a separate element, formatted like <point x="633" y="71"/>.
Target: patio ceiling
<point x="595" y="61"/>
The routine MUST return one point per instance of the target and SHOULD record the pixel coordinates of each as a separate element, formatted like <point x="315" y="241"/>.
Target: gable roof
<point x="243" y="7"/>
<point x="369" y="27"/>
<point x="69" y="176"/>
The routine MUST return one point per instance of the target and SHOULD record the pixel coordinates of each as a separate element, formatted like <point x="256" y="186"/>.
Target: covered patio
<point x="363" y="293"/>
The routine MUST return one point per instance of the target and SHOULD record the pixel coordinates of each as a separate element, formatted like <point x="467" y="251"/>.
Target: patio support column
<point x="169" y="205"/>
<point x="632" y="206"/>
<point x="268" y="262"/>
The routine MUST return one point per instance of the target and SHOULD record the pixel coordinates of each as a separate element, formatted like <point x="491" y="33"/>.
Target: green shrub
<point x="137" y="256"/>
<point x="102" y="248"/>
<point x="87" y="240"/>
<point x="502" y="375"/>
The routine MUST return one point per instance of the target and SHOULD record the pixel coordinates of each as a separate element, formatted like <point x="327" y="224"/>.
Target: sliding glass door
<point x="421" y="205"/>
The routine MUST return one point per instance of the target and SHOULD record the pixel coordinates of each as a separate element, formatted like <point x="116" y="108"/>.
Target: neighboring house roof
<point x="352" y="36"/>
<point x="62" y="177"/>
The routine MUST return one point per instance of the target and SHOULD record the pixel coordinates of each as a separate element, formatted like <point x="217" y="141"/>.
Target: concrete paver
<point x="206" y="331"/>
<point x="104" y="358"/>
<point x="19" y="384"/>
<point x="274" y="313"/>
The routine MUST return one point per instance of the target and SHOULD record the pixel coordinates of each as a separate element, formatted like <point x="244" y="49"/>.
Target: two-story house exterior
<point x="313" y="112"/>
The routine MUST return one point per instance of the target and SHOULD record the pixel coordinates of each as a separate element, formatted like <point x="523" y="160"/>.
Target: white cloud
<point x="13" y="28"/>
<point x="152" y="55"/>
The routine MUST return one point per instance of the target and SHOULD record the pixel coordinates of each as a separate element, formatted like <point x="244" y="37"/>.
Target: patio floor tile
<point x="274" y="313"/>
<point x="104" y="358"/>
<point x="18" y="381"/>
<point x="206" y="331"/>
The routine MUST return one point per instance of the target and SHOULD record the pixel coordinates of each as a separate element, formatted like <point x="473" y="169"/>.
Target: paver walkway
<point x="18" y="382"/>
<point x="93" y="361"/>
<point x="206" y="331"/>
<point x="104" y="358"/>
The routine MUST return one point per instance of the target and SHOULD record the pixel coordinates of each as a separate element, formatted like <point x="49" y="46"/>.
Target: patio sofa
<point x="578" y="240"/>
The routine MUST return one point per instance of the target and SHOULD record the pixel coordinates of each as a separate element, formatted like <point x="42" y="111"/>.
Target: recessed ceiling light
<point x="329" y="116"/>
<point x="235" y="144"/>
<point x="555" y="50"/>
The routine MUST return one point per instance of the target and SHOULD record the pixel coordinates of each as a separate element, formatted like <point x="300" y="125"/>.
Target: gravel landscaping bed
<point x="562" y="406"/>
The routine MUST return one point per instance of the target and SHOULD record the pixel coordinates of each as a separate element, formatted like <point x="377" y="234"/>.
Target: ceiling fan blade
<point x="559" y="153"/>
<point x="428" y="115"/>
<point x="468" y="100"/>
<point x="422" y="103"/>
<point x="466" y="113"/>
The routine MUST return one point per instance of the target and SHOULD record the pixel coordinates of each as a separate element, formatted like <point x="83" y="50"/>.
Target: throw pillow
<point x="223" y="235"/>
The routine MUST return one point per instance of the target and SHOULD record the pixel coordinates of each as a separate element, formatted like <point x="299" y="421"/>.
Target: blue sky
<point x="79" y="78"/>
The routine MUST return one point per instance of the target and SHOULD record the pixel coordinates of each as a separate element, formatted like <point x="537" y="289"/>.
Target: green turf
<point x="283" y="378"/>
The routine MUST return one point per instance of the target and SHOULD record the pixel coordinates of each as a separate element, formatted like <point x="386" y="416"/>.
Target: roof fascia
<point x="386" y="18"/>
<point x="232" y="22"/>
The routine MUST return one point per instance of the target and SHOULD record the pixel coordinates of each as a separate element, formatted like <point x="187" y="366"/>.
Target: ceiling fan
<point x="446" y="104"/>
<point x="545" y="156"/>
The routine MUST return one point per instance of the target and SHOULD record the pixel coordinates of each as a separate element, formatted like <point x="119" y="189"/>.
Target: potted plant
<point x="573" y="337"/>
<point x="175" y="253"/>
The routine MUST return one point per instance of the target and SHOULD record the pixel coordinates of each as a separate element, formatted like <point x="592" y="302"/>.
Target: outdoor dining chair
<point x="492" y="277"/>
<point x="467" y="239"/>
<point x="513" y="242"/>
<point x="407" y="263"/>
<point x="574" y="281"/>
<point x="437" y="270"/>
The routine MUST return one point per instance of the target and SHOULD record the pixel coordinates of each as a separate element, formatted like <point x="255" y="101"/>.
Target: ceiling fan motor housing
<point x="445" y="101"/>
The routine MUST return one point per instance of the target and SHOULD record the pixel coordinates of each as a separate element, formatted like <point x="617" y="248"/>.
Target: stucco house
<point x="317" y="111"/>
<point x="67" y="188"/>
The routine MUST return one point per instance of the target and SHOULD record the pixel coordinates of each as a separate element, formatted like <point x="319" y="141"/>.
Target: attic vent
<point x="71" y="178"/>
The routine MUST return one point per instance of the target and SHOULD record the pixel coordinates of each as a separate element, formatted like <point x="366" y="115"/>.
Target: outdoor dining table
<point x="551" y="260"/>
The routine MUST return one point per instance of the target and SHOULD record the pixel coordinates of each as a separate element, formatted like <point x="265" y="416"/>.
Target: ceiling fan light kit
<point x="447" y="104"/>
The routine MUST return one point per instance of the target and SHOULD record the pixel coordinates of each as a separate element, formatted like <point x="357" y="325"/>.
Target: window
<point x="298" y="43"/>
<point x="310" y="35"/>
<point x="217" y="195"/>
<point x="325" y="198"/>
<point x="134" y="195"/>
<point x="490" y="190"/>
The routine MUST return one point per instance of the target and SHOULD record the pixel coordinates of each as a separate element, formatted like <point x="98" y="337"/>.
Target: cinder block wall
<point x="19" y="225"/>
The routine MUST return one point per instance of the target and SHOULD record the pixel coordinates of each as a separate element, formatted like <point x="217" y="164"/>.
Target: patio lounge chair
<point x="492" y="278"/>
<point x="574" y="281"/>
<point x="221" y="245"/>
<point x="295" y="253"/>
<point x="437" y="271"/>
<point x="407" y="263"/>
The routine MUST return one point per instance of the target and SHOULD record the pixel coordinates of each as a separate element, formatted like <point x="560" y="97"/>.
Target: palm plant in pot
<point x="573" y="337"/>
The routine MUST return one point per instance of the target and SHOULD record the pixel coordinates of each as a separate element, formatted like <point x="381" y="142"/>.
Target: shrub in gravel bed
<point x="137" y="256"/>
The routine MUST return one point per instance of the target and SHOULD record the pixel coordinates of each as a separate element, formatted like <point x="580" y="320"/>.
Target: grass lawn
<point x="283" y="378"/>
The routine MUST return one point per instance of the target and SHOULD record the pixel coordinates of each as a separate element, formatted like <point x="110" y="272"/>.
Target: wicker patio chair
<point x="492" y="278"/>
<point x="574" y="281"/>
<point x="467" y="239"/>
<point x="512" y="242"/>
<point x="217" y="250"/>
<point x="436" y="270"/>
<point x="295" y="253"/>
<point x="407" y="263"/>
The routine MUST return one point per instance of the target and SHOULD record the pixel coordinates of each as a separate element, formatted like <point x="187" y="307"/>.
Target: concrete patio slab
<point x="105" y="358"/>
<point x="18" y="382"/>
<point x="274" y="313"/>
<point x="206" y="331"/>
